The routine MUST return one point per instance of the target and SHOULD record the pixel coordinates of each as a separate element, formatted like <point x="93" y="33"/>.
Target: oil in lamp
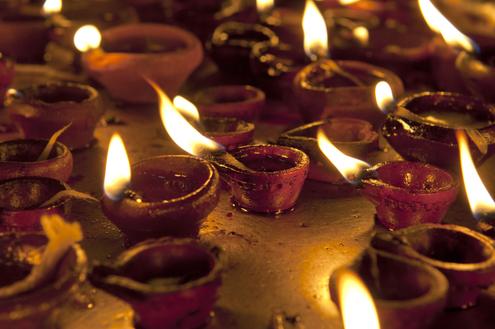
<point x="169" y="283"/>
<point x="7" y="73"/>
<point x="166" y="195"/>
<point x="263" y="178"/>
<point x="165" y="53"/>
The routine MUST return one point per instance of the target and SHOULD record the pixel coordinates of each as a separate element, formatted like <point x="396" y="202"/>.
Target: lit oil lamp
<point x="169" y="283"/>
<point x="404" y="193"/>
<point x="353" y="136"/>
<point x="167" y="195"/>
<point x="165" y="53"/>
<point x="465" y="257"/>
<point x="403" y="291"/>
<point x="41" y="110"/>
<point x="40" y="273"/>
<point x="263" y="178"/>
<point x="7" y="73"/>
<point x="231" y="101"/>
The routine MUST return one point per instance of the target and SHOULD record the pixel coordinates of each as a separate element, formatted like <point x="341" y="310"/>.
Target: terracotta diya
<point x="465" y="257"/>
<point x="163" y="53"/>
<point x="341" y="88"/>
<point x="353" y="136"/>
<point x="422" y="128"/>
<point x="404" y="291"/>
<point x="168" y="283"/>
<point x="233" y="101"/>
<point x="41" y="110"/>
<point x="6" y="76"/>
<point x="23" y="202"/>
<point x="409" y="193"/>
<point x="19" y="158"/>
<point x="230" y="132"/>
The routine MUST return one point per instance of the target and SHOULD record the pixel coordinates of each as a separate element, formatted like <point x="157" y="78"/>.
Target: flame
<point x="264" y="6"/>
<point x="347" y="2"/>
<point x="117" y="170"/>
<point x="384" y="96"/>
<point x="440" y="24"/>
<point x="348" y="166"/>
<point x="186" y="108"/>
<point x="315" y="32"/>
<point x="87" y="37"/>
<point x="180" y="130"/>
<point x="362" y="34"/>
<point x="480" y="201"/>
<point x="356" y="304"/>
<point x="52" y="7"/>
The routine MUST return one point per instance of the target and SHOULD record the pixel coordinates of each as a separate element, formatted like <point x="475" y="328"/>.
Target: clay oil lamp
<point x="263" y="178"/>
<point x="40" y="273"/>
<point x="404" y="291"/>
<point x="231" y="101"/>
<point x="353" y="136"/>
<point x="231" y="44"/>
<point x="20" y="158"/>
<point x="41" y="110"/>
<point x="164" y="53"/>
<point x="422" y="127"/>
<point x="404" y="193"/>
<point x="465" y="257"/>
<point x="7" y="73"/>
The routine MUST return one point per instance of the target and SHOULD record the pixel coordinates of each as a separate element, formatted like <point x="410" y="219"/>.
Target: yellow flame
<point x="315" y="32"/>
<point x="356" y="304"/>
<point x="349" y="167"/>
<point x="347" y="2"/>
<point x="180" y="130"/>
<point x="362" y="34"/>
<point x="264" y="6"/>
<point x="87" y="37"/>
<point x="186" y="108"/>
<point x="52" y="7"/>
<point x="117" y="170"/>
<point x="440" y="24"/>
<point x="480" y="201"/>
<point x="384" y="96"/>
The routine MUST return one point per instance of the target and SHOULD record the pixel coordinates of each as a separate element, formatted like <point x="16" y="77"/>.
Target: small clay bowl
<point x="24" y="36"/>
<point x="231" y="43"/>
<point x="7" y="73"/>
<point x="21" y="201"/>
<point x="465" y="257"/>
<point x="39" y="111"/>
<point x="32" y="309"/>
<point x="415" y="132"/>
<point x="277" y="178"/>
<point x="409" y="193"/>
<point x="478" y="73"/>
<point x="169" y="283"/>
<point x="231" y="101"/>
<point x="163" y="53"/>
<point x="168" y="196"/>
<point x="354" y="137"/>
<point x="230" y="132"/>
<point x="18" y="159"/>
<point x="321" y="93"/>
<point x="404" y="291"/>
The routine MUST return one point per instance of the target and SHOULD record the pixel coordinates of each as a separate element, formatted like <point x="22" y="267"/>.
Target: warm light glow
<point x="440" y="24"/>
<point x="384" y="96"/>
<point x="347" y="2"/>
<point x="348" y="166"/>
<point x="117" y="170"/>
<point x="87" y="37"/>
<point x="186" y="108"/>
<point x="264" y="6"/>
<point x="315" y="32"/>
<point x="362" y="34"/>
<point x="356" y="304"/>
<point x="180" y="130"/>
<point x="480" y="201"/>
<point x="52" y="7"/>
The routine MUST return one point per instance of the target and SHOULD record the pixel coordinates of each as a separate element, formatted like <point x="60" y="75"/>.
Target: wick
<point x="227" y="161"/>
<point x="343" y="73"/>
<point x="49" y="146"/>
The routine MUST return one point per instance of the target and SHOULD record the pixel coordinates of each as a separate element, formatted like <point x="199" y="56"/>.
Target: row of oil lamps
<point x="172" y="195"/>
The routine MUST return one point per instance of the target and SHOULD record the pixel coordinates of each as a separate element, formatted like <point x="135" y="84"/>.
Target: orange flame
<point x="315" y="32"/>
<point x="384" y="96"/>
<point x="186" y="108"/>
<point x="264" y="6"/>
<point x="347" y="2"/>
<point x="117" y="170"/>
<point x="480" y="201"/>
<point x="51" y="7"/>
<point x="356" y="303"/>
<point x="349" y="167"/>
<point x="362" y="34"/>
<point x="87" y="37"/>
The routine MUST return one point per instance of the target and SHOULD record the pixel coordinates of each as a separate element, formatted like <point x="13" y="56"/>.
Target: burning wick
<point x="86" y="38"/>
<point x="117" y="170"/>
<point x="481" y="203"/>
<point x="315" y="32"/>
